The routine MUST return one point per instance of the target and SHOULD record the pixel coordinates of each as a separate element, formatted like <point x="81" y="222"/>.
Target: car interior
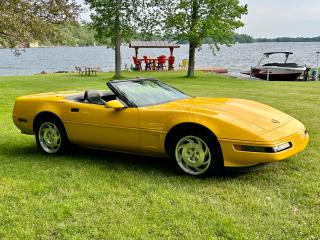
<point x="93" y="96"/>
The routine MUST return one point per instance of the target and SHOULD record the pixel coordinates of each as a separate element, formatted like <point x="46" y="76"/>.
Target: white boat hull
<point x="277" y="73"/>
<point x="283" y="70"/>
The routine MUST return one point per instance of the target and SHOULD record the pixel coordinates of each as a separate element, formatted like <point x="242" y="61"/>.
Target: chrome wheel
<point x="49" y="137"/>
<point x="193" y="155"/>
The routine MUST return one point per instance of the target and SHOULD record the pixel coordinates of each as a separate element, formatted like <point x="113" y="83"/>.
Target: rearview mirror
<point x="115" y="104"/>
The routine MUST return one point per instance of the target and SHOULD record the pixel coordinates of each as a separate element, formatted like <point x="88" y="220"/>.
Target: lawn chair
<point x="147" y="62"/>
<point x="184" y="64"/>
<point x="137" y="64"/>
<point x="79" y="70"/>
<point x="95" y="70"/>
<point x="161" y="62"/>
<point x="171" y="62"/>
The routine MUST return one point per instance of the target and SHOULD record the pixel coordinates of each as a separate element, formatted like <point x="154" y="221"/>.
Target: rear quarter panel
<point x="28" y="107"/>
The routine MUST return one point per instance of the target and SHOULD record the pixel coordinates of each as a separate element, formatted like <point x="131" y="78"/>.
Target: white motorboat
<point x="277" y="71"/>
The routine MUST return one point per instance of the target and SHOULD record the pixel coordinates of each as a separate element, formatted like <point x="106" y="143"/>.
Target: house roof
<point x="153" y="44"/>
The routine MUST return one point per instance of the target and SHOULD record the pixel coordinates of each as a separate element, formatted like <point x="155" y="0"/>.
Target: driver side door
<point x="95" y="126"/>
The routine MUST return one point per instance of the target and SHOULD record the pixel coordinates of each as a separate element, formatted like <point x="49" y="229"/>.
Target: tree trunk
<point x="117" y="41"/>
<point x="192" y="52"/>
<point x="192" y="43"/>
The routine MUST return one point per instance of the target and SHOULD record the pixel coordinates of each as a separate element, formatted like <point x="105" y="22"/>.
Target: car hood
<point x="260" y="115"/>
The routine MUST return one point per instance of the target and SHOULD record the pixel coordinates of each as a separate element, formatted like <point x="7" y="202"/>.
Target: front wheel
<point x="197" y="153"/>
<point x="51" y="136"/>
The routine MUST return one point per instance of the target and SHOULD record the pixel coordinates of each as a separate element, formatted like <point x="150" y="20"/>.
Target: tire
<point x="51" y="136"/>
<point x="197" y="153"/>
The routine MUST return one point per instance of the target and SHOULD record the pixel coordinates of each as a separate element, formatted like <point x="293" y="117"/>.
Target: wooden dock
<point x="220" y="70"/>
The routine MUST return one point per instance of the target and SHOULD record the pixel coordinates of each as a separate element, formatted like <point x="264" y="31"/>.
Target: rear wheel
<point x="51" y="136"/>
<point x="197" y="153"/>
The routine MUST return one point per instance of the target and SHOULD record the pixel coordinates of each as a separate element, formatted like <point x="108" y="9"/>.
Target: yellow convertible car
<point x="146" y="116"/>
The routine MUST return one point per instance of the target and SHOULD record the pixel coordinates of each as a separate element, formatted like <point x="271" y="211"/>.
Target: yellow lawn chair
<point x="184" y="64"/>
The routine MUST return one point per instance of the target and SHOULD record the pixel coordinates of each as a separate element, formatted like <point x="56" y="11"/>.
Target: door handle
<point x="75" y="110"/>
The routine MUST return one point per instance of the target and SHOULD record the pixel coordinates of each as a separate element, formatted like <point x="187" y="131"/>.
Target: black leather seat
<point x="93" y="96"/>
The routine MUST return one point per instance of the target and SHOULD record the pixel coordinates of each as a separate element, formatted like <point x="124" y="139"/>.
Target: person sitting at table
<point x="147" y="62"/>
<point x="161" y="62"/>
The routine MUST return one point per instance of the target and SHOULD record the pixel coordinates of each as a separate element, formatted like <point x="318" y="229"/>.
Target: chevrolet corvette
<point x="146" y="116"/>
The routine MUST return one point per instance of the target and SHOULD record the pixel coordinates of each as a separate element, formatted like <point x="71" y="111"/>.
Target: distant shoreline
<point x="245" y="38"/>
<point x="71" y="46"/>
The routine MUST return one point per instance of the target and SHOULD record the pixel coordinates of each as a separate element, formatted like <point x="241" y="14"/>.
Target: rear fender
<point x="26" y="111"/>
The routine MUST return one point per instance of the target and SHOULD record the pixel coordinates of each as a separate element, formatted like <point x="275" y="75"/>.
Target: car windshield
<point x="147" y="92"/>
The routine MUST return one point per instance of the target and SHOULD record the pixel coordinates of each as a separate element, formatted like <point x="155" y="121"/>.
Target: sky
<point x="276" y="18"/>
<point x="282" y="18"/>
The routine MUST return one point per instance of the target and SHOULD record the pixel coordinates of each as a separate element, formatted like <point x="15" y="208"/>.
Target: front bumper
<point x="235" y="158"/>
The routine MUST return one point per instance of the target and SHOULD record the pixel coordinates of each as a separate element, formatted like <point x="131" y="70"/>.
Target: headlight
<point x="282" y="147"/>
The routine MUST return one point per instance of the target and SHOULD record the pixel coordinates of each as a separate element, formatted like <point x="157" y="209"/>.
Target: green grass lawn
<point x="102" y="195"/>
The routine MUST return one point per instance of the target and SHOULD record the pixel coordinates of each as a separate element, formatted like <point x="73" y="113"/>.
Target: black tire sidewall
<point x="59" y="125"/>
<point x="216" y="164"/>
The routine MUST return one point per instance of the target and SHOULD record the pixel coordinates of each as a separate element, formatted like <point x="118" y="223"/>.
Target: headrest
<point x="93" y="96"/>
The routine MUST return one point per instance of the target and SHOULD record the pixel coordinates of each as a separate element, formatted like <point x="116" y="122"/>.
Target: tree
<point x="75" y="35"/>
<point x="196" y="20"/>
<point x="24" y="21"/>
<point x="115" y="21"/>
<point x="243" y="38"/>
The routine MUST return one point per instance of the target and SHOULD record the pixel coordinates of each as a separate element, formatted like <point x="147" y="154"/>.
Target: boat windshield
<point x="277" y="57"/>
<point x="145" y="92"/>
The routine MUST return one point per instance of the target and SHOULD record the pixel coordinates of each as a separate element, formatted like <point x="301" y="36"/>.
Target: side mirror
<point x="115" y="104"/>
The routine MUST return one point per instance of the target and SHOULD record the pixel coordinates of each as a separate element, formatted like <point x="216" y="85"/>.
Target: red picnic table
<point x="153" y="62"/>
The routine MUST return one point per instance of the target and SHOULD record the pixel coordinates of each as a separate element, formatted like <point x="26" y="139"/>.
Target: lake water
<point x="236" y="58"/>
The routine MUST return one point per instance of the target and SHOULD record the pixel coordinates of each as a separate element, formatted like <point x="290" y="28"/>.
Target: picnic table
<point x="153" y="61"/>
<point x="88" y="70"/>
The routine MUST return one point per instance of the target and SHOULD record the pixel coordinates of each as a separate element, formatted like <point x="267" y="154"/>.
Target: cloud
<point x="274" y="18"/>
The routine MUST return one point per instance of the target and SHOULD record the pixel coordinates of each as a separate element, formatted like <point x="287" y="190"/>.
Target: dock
<point x="220" y="70"/>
